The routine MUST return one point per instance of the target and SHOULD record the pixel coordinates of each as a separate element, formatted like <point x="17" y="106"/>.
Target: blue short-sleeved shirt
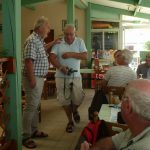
<point x="77" y="46"/>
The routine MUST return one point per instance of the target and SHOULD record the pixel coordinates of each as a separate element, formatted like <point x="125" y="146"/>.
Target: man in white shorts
<point x="66" y="58"/>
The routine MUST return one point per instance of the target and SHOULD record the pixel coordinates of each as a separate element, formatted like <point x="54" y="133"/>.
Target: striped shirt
<point x="119" y="76"/>
<point x="34" y="49"/>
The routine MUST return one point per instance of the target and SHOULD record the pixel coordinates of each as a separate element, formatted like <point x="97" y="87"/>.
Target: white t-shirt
<point x="78" y="46"/>
<point x="119" y="76"/>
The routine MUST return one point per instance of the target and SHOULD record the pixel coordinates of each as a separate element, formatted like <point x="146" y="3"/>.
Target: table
<point x="86" y="70"/>
<point x="108" y="112"/>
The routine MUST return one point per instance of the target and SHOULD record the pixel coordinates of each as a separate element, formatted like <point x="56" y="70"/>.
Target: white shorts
<point x="66" y="95"/>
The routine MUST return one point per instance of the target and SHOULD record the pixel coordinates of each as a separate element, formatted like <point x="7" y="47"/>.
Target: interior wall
<point x="55" y="12"/>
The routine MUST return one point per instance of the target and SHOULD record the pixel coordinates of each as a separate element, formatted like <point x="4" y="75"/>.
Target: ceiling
<point x="137" y="8"/>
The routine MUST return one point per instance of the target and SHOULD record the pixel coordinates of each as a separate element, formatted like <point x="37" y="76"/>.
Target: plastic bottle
<point x="111" y="98"/>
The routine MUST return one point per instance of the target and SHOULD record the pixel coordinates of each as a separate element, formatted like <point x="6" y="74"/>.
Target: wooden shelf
<point x="3" y="60"/>
<point x="8" y="64"/>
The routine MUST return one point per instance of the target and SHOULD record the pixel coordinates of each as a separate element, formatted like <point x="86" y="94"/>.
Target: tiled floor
<point x="54" y="122"/>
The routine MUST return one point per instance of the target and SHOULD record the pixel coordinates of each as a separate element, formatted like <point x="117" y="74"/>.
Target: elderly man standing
<point x="66" y="58"/>
<point x="35" y="68"/>
<point x="121" y="74"/>
<point x="135" y="112"/>
<point x="144" y="69"/>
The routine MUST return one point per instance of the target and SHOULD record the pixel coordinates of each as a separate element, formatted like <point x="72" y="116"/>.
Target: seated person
<point x="121" y="74"/>
<point x="116" y="55"/>
<point x="135" y="112"/>
<point x="144" y="69"/>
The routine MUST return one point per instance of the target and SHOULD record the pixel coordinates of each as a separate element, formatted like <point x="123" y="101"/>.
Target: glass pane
<point x="97" y="42"/>
<point x="111" y="40"/>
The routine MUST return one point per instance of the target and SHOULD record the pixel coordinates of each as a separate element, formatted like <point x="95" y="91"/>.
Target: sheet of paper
<point x="113" y="114"/>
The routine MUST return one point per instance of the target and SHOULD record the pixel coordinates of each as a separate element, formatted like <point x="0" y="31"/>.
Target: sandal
<point x="39" y="134"/>
<point x="76" y="116"/>
<point x="28" y="143"/>
<point x="70" y="127"/>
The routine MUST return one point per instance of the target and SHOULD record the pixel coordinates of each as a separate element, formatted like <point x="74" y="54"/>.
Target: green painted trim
<point x="30" y="7"/>
<point x="111" y="10"/>
<point x="70" y="11"/>
<point x="137" y="6"/>
<point x="88" y="33"/>
<point x="142" y="15"/>
<point x="132" y="2"/>
<point x="144" y="3"/>
<point x="82" y="4"/>
<point x="12" y="44"/>
<point x="28" y="2"/>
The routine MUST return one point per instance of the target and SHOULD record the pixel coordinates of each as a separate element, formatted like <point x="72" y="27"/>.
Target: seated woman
<point x="116" y="55"/>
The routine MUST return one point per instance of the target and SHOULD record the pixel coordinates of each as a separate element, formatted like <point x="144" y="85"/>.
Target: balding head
<point x="42" y="27"/>
<point x="69" y="33"/>
<point x="138" y="92"/>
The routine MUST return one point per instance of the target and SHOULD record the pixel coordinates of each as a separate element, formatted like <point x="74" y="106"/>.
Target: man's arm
<point x="81" y="56"/>
<point x="30" y="72"/>
<point x="103" y="144"/>
<point x="54" y="61"/>
<point x="50" y="44"/>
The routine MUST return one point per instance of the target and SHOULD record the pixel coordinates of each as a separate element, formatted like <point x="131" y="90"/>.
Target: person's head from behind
<point x="136" y="101"/>
<point x="42" y="26"/>
<point x="148" y="59"/>
<point x="125" y="57"/>
<point x="116" y="56"/>
<point x="69" y="33"/>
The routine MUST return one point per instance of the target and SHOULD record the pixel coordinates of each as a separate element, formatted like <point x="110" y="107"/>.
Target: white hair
<point x="70" y="26"/>
<point x="127" y="55"/>
<point x="39" y="22"/>
<point x="140" y="101"/>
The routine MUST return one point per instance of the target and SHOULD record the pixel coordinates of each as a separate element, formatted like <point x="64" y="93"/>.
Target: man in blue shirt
<point x="66" y="58"/>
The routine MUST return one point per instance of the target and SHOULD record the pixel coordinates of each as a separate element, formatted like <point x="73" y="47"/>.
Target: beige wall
<point x="56" y="12"/>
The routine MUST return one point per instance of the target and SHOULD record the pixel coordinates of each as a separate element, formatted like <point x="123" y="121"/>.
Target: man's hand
<point x="68" y="55"/>
<point x="85" y="146"/>
<point x="57" y="41"/>
<point x="64" y="69"/>
<point x="32" y="82"/>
